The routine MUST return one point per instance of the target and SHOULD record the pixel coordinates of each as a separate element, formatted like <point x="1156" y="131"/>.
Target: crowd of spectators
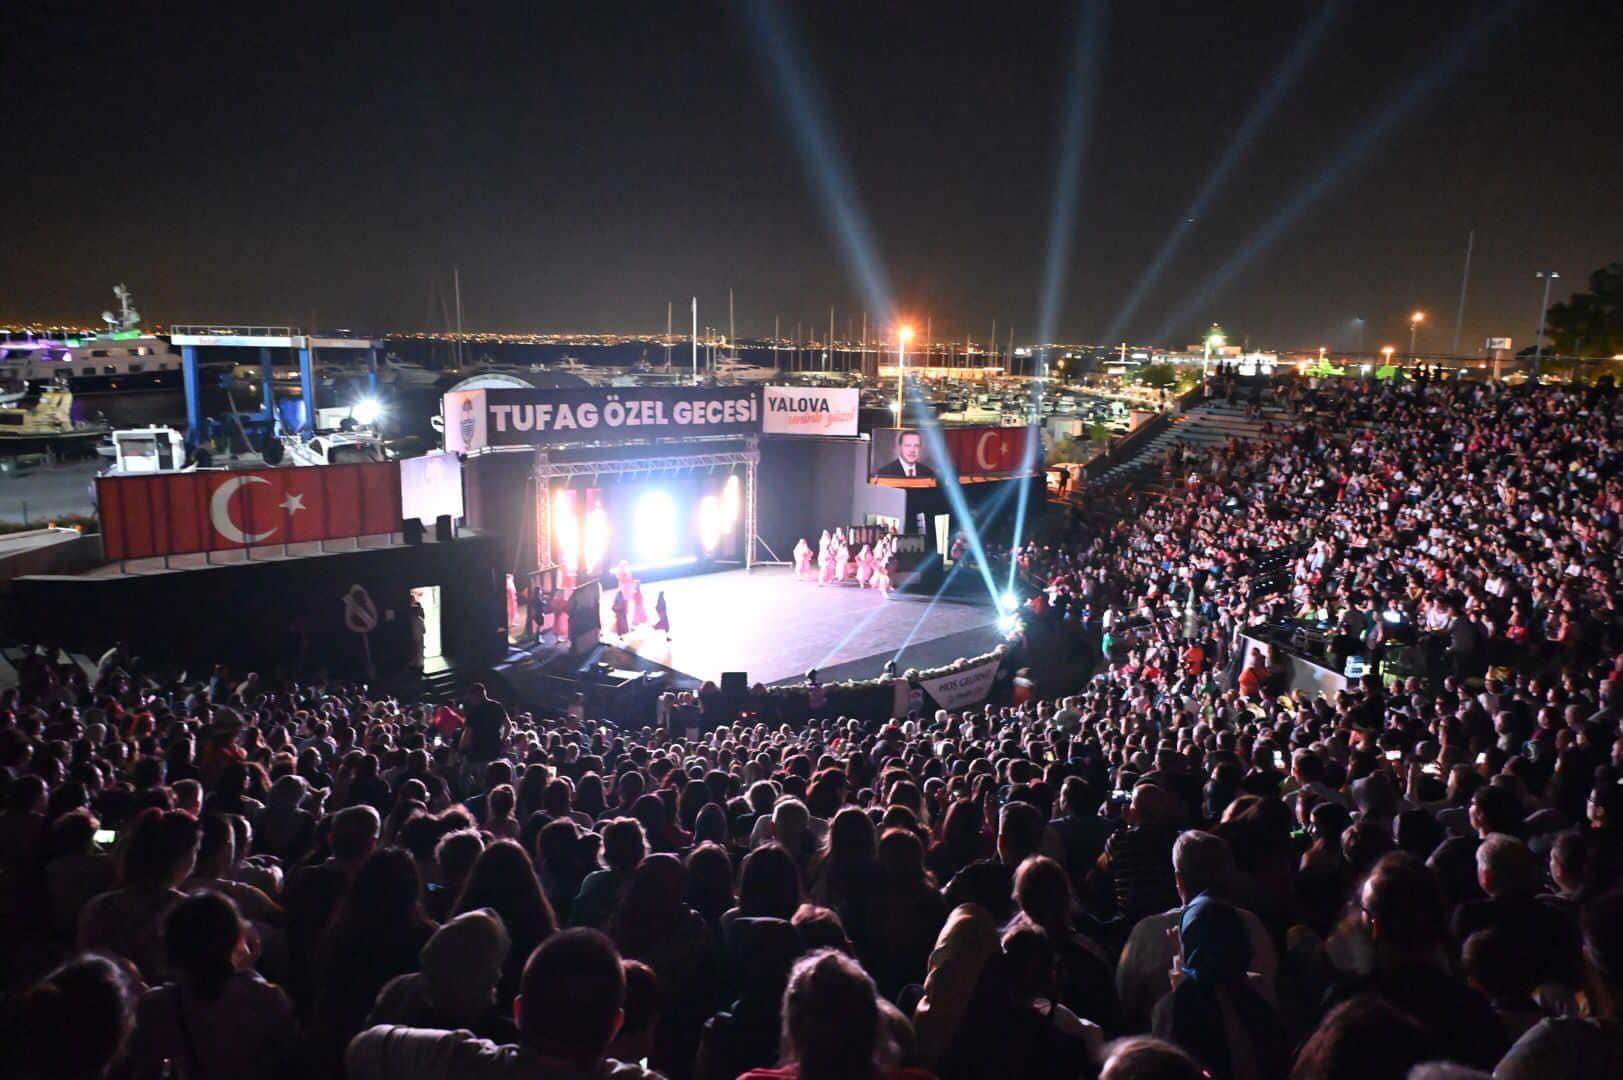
<point x="1184" y="869"/>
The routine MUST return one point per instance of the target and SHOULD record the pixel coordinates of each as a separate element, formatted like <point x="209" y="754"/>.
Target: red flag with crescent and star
<point x="185" y="513"/>
<point x="994" y="451"/>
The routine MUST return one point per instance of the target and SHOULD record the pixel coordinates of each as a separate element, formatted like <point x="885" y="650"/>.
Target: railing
<point x="236" y="331"/>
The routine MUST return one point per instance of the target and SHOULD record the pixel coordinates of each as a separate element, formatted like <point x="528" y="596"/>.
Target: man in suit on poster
<point x="908" y="464"/>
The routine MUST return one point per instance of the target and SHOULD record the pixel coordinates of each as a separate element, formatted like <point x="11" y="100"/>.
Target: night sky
<point x="583" y="164"/>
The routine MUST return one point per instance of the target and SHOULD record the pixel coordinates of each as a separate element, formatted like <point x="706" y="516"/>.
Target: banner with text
<point x="963" y="688"/>
<point x="811" y="410"/>
<point x="477" y="419"/>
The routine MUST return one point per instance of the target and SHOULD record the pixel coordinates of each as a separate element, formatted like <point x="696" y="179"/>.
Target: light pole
<point x="1214" y="340"/>
<point x="903" y="336"/>
<point x="1414" y="329"/>
<point x="1386" y="354"/>
<point x="1538" y="347"/>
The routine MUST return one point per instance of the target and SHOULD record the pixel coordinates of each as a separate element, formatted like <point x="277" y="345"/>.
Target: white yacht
<point x="122" y="359"/>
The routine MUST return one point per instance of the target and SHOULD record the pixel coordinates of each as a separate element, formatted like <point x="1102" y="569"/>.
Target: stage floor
<point x="773" y="627"/>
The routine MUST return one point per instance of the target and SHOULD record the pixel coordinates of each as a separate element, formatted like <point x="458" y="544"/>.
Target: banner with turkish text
<point x="963" y="688"/>
<point x="477" y="419"/>
<point x="218" y="510"/>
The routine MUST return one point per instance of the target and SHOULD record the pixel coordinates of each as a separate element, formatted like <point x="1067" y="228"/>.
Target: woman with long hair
<point x="656" y="925"/>
<point x="378" y="932"/>
<point x="504" y="880"/>
<point x="904" y="915"/>
<point x="215" y="1016"/>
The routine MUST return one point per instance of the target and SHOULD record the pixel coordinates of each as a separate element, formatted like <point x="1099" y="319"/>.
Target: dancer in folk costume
<point x="803" y="559"/>
<point x="639" y="609"/>
<point x="663" y="622"/>
<point x="842" y="558"/>
<point x="622" y="576"/>
<point x="825" y="559"/>
<point x="559" y="605"/>
<point x="621" y="605"/>
<point x="864" y="566"/>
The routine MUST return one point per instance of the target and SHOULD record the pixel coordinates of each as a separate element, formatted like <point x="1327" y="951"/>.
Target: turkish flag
<point x="993" y="451"/>
<point x="182" y="513"/>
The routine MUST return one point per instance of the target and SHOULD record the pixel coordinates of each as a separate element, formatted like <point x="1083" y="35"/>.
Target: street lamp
<point x="1538" y="347"/>
<point x="1386" y="352"/>
<point x="1414" y="328"/>
<point x="1214" y="340"/>
<point x="903" y="336"/>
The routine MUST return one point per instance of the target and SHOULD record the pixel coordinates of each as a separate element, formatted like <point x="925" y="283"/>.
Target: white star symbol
<point x="293" y="503"/>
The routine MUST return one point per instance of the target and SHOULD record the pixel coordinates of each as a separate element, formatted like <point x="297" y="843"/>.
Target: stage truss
<point x="546" y="471"/>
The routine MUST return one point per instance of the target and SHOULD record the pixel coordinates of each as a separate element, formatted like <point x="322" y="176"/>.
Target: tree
<point x="1158" y="375"/>
<point x="1589" y="323"/>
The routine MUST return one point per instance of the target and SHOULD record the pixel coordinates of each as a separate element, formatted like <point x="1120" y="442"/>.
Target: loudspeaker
<point x="443" y="530"/>
<point x="412" y="529"/>
<point x="735" y="683"/>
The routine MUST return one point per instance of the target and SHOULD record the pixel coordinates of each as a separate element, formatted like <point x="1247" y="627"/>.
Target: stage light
<point x="1008" y="601"/>
<point x="655" y="519"/>
<point x="1427" y="80"/>
<point x="597" y="538"/>
<point x="732" y="502"/>
<point x="1074" y="141"/>
<point x="1233" y="151"/>
<point x="905" y="334"/>
<point x="1008" y="623"/>
<point x="804" y="106"/>
<point x="366" y="411"/>
<point x="567" y="530"/>
<point x="710" y="515"/>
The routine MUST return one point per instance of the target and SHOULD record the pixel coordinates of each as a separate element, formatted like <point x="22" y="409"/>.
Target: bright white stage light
<point x="1008" y="601"/>
<point x="366" y="411"/>
<point x="567" y="530"/>
<point x="597" y="538"/>
<point x="656" y="526"/>
<point x="732" y="500"/>
<point x="710" y="518"/>
<point x="1008" y="623"/>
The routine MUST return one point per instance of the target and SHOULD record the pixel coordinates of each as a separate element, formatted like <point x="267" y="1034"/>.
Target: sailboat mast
<point x="456" y="283"/>
<point x="830" y="364"/>
<point x="991" y="345"/>
<point x="667" y="335"/>
<point x="732" y="328"/>
<point x="865" y="345"/>
<point x="695" y="340"/>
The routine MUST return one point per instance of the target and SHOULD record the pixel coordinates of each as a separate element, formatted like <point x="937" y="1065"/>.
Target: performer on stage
<point x="639" y="610"/>
<point x="664" y="620"/>
<point x="621" y="606"/>
<point x="803" y="560"/>
<point x="825" y="559"/>
<point x="864" y="566"/>
<point x="622" y="576"/>
<point x="560" y="616"/>
<point x="842" y="558"/>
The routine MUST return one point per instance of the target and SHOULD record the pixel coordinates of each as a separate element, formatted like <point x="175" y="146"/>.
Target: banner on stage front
<point x="963" y="688"/>
<point x="479" y="419"/>
<point x="811" y="410"/>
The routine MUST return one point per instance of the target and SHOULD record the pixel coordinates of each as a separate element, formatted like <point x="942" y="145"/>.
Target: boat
<point x="42" y="422"/>
<point x="123" y="359"/>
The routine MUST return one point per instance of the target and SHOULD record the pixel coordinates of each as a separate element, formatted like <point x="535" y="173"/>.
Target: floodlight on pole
<point x="1215" y="339"/>
<point x="1544" y="308"/>
<point x="1414" y="329"/>
<point x="903" y="336"/>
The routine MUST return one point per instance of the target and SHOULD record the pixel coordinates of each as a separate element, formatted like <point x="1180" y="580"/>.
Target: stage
<point x="773" y="627"/>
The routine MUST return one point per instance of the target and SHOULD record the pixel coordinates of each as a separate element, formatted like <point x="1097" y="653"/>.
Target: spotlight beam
<point x="947" y="481"/>
<point x="1074" y="141"/>
<point x="1289" y="71"/>
<point x="805" y="110"/>
<point x="992" y="507"/>
<point x="1458" y="50"/>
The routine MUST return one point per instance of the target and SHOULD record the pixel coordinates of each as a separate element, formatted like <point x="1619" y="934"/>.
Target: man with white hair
<point x="1202" y="865"/>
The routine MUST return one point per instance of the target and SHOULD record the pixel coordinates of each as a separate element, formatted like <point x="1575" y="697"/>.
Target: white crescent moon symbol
<point x="980" y="451"/>
<point x="220" y="511"/>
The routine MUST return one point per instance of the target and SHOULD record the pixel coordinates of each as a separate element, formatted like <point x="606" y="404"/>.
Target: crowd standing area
<point x="1179" y="871"/>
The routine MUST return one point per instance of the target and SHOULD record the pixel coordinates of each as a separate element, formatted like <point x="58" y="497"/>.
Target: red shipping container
<point x="185" y="513"/>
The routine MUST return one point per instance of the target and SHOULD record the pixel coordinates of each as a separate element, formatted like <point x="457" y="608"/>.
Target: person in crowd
<point x="216" y="1016"/>
<point x="455" y="986"/>
<point x="129" y="921"/>
<point x="570" y="1008"/>
<point x="503" y="880"/>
